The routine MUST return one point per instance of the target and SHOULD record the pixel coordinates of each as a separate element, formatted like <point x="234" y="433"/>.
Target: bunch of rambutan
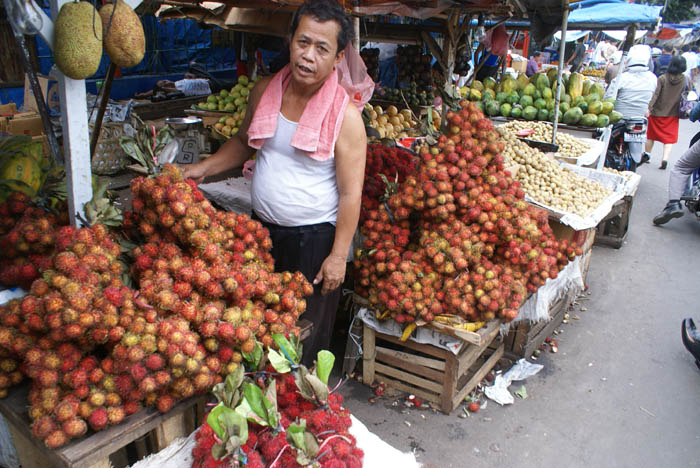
<point x="475" y="249"/>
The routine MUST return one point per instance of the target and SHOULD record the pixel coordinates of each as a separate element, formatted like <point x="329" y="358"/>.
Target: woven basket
<point x="109" y="157"/>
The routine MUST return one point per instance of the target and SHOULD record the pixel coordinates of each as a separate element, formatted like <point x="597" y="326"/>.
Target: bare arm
<point x="235" y="151"/>
<point x="350" y="154"/>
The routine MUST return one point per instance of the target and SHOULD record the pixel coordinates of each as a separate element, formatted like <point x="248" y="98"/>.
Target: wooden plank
<point x="520" y="338"/>
<point x="473" y="352"/>
<point x="409" y="389"/>
<point x="448" y="386"/>
<point x="478" y="377"/>
<point x="368" y="355"/>
<point x="423" y="348"/>
<point x="169" y="430"/>
<point x="464" y="335"/>
<point x="104" y="463"/>
<point x="406" y="377"/>
<point x="406" y="363"/>
<point x="27" y="453"/>
<point x="423" y="361"/>
<point x="536" y="341"/>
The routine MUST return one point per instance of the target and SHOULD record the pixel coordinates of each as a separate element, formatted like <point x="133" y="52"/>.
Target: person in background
<point x="576" y="59"/>
<point x="613" y="67"/>
<point x="691" y="61"/>
<point x="662" y="62"/>
<point x="663" y="109"/>
<point x="490" y="68"/>
<point x="635" y="87"/>
<point x="678" y="178"/>
<point x="600" y="55"/>
<point x="307" y="183"/>
<point x="533" y="65"/>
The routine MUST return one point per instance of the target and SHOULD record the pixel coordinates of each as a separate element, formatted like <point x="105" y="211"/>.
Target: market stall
<point x="466" y="229"/>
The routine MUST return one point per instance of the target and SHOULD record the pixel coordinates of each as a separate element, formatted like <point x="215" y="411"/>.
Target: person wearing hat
<point x="613" y="67"/>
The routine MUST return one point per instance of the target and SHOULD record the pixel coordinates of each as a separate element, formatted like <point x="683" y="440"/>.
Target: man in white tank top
<point x="310" y="207"/>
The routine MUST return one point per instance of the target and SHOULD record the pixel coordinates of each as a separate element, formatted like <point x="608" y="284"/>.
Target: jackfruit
<point x="124" y="41"/>
<point x="77" y="40"/>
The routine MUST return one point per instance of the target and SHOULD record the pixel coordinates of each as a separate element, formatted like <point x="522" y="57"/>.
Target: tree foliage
<point x="679" y="10"/>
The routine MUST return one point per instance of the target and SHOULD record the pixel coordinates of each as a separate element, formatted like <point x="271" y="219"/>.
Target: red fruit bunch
<point x="392" y="163"/>
<point x="475" y="249"/>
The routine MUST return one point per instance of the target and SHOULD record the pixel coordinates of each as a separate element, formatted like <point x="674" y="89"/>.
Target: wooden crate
<point x="613" y="229"/>
<point x="431" y="373"/>
<point x="524" y="337"/>
<point x="105" y="448"/>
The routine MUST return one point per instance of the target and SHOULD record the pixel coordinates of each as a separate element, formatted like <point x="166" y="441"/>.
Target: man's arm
<point x="350" y="154"/>
<point x="235" y="151"/>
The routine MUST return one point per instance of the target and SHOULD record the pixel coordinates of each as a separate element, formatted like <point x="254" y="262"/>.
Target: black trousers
<point x="304" y="248"/>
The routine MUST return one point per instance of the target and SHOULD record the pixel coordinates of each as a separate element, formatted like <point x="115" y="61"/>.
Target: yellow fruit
<point x="124" y="42"/>
<point x="23" y="169"/>
<point x="392" y="111"/>
<point x="77" y="40"/>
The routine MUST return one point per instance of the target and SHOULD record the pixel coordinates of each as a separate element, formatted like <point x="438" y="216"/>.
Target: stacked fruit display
<point x="392" y="123"/>
<point x="550" y="184"/>
<point x="384" y="166"/>
<point x="414" y="66"/>
<point x="410" y="94"/>
<point x="234" y="100"/>
<point x="370" y="55"/>
<point x="457" y="237"/>
<point x="287" y="420"/>
<point x="594" y="72"/>
<point x="582" y="101"/>
<point x="97" y="350"/>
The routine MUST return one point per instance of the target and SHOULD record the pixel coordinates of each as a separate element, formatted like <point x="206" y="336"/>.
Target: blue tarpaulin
<point x="611" y="13"/>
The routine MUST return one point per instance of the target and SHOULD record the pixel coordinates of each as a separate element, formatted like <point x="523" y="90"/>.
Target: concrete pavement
<point x="621" y="392"/>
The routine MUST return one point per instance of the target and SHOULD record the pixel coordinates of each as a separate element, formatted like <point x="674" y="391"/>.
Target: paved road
<point x="621" y="392"/>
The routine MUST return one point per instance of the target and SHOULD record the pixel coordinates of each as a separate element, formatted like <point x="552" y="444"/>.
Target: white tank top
<point x="290" y="188"/>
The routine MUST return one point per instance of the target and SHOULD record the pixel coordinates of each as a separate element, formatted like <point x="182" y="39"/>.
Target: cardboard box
<point x="25" y="124"/>
<point x="519" y="66"/>
<point x="49" y="89"/>
<point x="8" y="109"/>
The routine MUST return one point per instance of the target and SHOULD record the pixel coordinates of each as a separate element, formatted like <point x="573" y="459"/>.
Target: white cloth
<point x="193" y="87"/>
<point x="637" y="86"/>
<point x="691" y="61"/>
<point x="289" y="188"/>
<point x="599" y="55"/>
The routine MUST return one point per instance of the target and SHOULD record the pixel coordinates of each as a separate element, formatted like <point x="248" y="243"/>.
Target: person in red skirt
<point x="663" y="109"/>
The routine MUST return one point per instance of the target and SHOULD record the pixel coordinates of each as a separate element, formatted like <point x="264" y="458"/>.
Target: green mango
<point x="583" y="106"/>
<point x="586" y="88"/>
<point x="542" y="82"/>
<point x="512" y="98"/>
<point x="607" y="107"/>
<point x="615" y="116"/>
<point x="542" y="114"/>
<point x="550" y="104"/>
<point x="489" y="83"/>
<point x="493" y="108"/>
<point x="592" y="98"/>
<point x="526" y="100"/>
<point x="589" y="120"/>
<point x="563" y="107"/>
<point x="488" y="94"/>
<point x="530" y="89"/>
<point x="522" y="81"/>
<point x="509" y="85"/>
<point x="501" y="97"/>
<point x="540" y="104"/>
<point x="596" y="107"/>
<point x="516" y="111"/>
<point x="603" y="121"/>
<point x="572" y="116"/>
<point x="547" y="93"/>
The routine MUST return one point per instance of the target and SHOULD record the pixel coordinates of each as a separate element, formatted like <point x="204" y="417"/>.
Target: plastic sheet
<point x="231" y="194"/>
<point x="521" y="370"/>
<point x="614" y="182"/>
<point x="378" y="454"/>
<point x="421" y="335"/>
<point x="8" y="454"/>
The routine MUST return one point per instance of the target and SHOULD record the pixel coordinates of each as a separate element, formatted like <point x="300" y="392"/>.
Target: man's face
<point x="313" y="51"/>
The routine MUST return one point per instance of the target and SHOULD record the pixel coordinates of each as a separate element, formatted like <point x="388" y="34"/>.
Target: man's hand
<point x="332" y="273"/>
<point x="196" y="172"/>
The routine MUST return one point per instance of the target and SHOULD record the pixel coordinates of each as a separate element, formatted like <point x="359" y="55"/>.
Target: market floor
<point x="621" y="392"/>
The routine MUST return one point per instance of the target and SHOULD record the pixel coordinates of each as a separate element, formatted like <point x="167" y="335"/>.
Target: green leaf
<point x="324" y="365"/>
<point x="303" y="385"/>
<point x="219" y="452"/>
<point x="270" y="403"/>
<point x="279" y="362"/>
<point x="236" y="427"/>
<point x="254" y="397"/>
<point x="247" y="412"/>
<point x="311" y="444"/>
<point x="285" y="345"/>
<point x="295" y="435"/>
<point x="213" y="419"/>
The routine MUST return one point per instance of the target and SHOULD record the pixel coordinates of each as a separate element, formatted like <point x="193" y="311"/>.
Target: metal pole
<point x="106" y="89"/>
<point x="560" y="68"/>
<point x="38" y="94"/>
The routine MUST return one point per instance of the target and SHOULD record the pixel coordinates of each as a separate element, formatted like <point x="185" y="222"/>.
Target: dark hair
<point x="537" y="54"/>
<point x="676" y="66"/>
<point x="580" y="39"/>
<point x="668" y="48"/>
<point x="686" y="48"/>
<point x="326" y="10"/>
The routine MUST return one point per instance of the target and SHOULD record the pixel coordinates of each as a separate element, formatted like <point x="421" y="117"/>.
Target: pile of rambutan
<point x="28" y="240"/>
<point x="457" y="237"/>
<point x="284" y="420"/>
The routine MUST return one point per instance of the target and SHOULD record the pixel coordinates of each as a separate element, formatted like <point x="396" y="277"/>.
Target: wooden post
<point x="368" y="355"/>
